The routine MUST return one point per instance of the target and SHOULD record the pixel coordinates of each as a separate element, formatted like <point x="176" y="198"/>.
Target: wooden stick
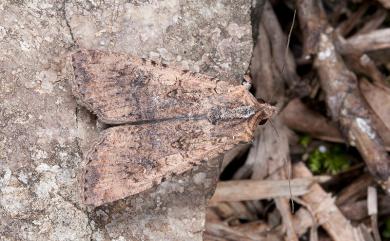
<point x="312" y="20"/>
<point x="299" y="117"/>
<point x="245" y="190"/>
<point x="229" y="233"/>
<point x="372" y="206"/>
<point x="374" y="40"/>
<point x="325" y="211"/>
<point x="385" y="3"/>
<point x="344" y="101"/>
<point x="363" y="64"/>
<point x="357" y="211"/>
<point x="354" y="190"/>
<point x="347" y="106"/>
<point x="373" y="22"/>
<point x="348" y="25"/>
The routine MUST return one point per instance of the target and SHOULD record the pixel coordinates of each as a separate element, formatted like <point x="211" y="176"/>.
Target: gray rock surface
<point x="43" y="132"/>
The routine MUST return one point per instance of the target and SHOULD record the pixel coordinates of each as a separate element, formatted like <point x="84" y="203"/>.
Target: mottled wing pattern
<point x="130" y="159"/>
<point x="120" y="88"/>
<point x="171" y="121"/>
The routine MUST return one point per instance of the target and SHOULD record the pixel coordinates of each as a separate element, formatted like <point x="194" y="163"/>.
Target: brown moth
<point x="167" y="121"/>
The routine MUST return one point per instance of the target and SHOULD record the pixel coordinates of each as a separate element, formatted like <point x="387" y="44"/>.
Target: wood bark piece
<point x="299" y="117"/>
<point x="378" y="97"/>
<point x="283" y="205"/>
<point x="175" y="120"/>
<point x="348" y="108"/>
<point x="266" y="79"/>
<point x="357" y="211"/>
<point x="355" y="190"/>
<point x="372" y="207"/>
<point x="271" y="152"/>
<point x="302" y="221"/>
<point x="348" y="25"/>
<point x="385" y="3"/>
<point x="374" y="40"/>
<point x="278" y="45"/>
<point x="232" y="234"/>
<point x="233" y="211"/>
<point x="244" y="190"/>
<point x="374" y="21"/>
<point x="325" y="211"/>
<point x="362" y="64"/>
<point x="312" y="20"/>
<point x="282" y="67"/>
<point x="343" y="97"/>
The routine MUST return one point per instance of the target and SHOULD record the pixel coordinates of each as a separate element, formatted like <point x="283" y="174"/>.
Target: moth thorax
<point x="222" y="113"/>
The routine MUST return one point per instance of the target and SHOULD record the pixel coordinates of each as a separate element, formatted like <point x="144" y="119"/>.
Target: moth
<point x="163" y="121"/>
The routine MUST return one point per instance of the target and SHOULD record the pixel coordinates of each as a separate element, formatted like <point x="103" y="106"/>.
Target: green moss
<point x="386" y="230"/>
<point x="330" y="161"/>
<point x="305" y="141"/>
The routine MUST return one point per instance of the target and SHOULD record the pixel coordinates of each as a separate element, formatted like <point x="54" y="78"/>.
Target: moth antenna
<point x="289" y="184"/>
<point x="273" y="127"/>
<point x="288" y="42"/>
<point x="286" y="164"/>
<point x="281" y="73"/>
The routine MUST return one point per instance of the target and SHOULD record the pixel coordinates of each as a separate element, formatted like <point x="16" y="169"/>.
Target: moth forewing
<point x="171" y="120"/>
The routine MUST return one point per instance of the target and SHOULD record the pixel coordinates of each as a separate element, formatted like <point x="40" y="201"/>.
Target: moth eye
<point x="175" y="144"/>
<point x="262" y="122"/>
<point x="153" y="62"/>
<point x="172" y="93"/>
<point x="164" y="65"/>
<point x="181" y="143"/>
<point x="260" y="100"/>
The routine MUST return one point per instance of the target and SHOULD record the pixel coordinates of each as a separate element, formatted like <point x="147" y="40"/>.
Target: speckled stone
<point x="212" y="37"/>
<point x="43" y="132"/>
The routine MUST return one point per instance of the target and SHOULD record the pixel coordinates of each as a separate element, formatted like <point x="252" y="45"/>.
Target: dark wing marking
<point x="206" y="118"/>
<point x="123" y="89"/>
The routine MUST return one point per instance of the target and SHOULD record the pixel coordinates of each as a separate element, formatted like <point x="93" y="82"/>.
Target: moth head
<point x="264" y="112"/>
